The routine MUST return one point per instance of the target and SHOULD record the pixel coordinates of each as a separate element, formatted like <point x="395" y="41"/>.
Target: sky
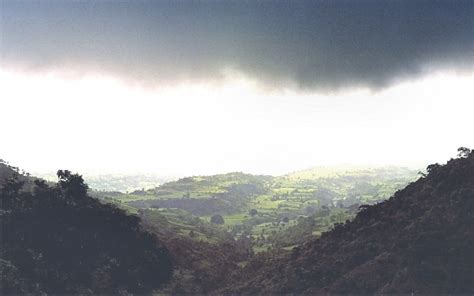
<point x="203" y="87"/>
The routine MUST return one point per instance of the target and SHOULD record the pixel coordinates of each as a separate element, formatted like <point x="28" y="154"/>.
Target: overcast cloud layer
<point x="308" y="44"/>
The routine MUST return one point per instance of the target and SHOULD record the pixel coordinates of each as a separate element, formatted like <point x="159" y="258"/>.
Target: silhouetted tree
<point x="59" y="240"/>
<point x="73" y="186"/>
<point x="10" y="192"/>
<point x="217" y="219"/>
<point x="464" y="152"/>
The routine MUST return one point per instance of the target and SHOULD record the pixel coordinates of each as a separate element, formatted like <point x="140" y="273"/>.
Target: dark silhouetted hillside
<point x="421" y="240"/>
<point x="58" y="240"/>
<point x="202" y="257"/>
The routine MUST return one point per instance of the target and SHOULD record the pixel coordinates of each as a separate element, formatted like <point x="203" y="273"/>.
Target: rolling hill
<point x="418" y="241"/>
<point x="270" y="211"/>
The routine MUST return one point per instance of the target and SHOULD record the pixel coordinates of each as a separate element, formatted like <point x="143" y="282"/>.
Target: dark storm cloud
<point x="320" y="45"/>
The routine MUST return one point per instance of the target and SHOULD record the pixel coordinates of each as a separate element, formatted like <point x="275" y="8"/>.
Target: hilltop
<point x="420" y="240"/>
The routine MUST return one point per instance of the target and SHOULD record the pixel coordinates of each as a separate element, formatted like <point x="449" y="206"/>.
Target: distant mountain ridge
<point x="328" y="171"/>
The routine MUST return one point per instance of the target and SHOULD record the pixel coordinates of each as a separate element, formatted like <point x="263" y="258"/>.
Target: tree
<point x="217" y="219"/>
<point x="253" y="212"/>
<point x="13" y="185"/>
<point x="73" y="186"/>
<point x="10" y="193"/>
<point x="433" y="168"/>
<point x="62" y="241"/>
<point x="464" y="152"/>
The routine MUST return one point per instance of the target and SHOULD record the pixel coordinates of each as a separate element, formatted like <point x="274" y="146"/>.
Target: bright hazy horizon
<point x="193" y="88"/>
<point x="231" y="125"/>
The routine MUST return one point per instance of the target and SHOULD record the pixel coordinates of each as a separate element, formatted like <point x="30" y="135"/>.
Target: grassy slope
<point x="292" y="196"/>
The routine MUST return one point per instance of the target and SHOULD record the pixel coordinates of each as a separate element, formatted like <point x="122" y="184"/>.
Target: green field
<point x="267" y="211"/>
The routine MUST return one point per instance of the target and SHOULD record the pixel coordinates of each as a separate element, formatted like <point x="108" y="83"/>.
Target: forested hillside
<point x="59" y="240"/>
<point x="313" y="231"/>
<point x="419" y="241"/>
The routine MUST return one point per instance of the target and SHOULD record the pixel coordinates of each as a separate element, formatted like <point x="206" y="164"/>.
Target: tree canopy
<point x="57" y="239"/>
<point x="217" y="219"/>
